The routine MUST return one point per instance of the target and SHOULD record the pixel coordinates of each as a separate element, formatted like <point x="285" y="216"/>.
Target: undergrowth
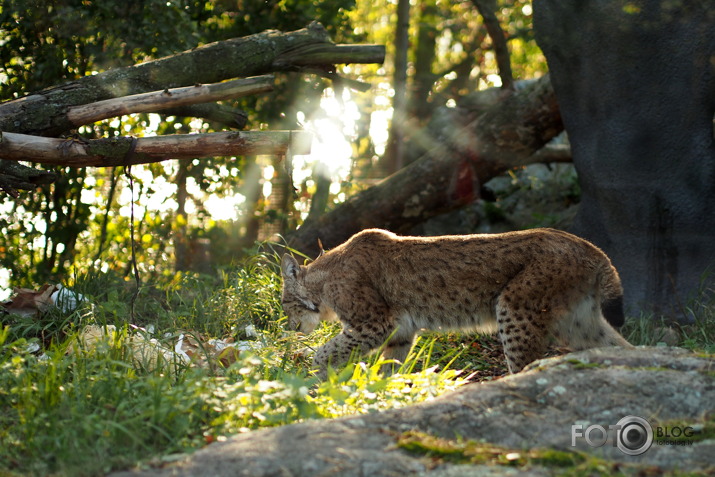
<point x="693" y="326"/>
<point x="70" y="407"/>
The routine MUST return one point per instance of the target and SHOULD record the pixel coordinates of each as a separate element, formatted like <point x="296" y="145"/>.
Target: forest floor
<point x="126" y="379"/>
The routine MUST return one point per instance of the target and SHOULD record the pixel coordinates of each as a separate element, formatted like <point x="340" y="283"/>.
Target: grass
<point x="73" y="407"/>
<point x="69" y="406"/>
<point x="696" y="332"/>
<point x="460" y="451"/>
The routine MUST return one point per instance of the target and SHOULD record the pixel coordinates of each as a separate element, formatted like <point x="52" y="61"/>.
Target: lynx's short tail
<point x="611" y="295"/>
<point x="611" y="307"/>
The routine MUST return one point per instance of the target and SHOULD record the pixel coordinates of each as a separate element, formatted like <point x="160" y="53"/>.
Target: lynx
<point x="530" y="287"/>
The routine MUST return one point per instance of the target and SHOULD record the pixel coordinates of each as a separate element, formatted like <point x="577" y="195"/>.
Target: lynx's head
<point x="303" y="313"/>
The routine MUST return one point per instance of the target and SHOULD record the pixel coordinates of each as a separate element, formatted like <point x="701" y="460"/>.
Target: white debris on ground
<point x="65" y="299"/>
<point x="146" y="352"/>
<point x="189" y="349"/>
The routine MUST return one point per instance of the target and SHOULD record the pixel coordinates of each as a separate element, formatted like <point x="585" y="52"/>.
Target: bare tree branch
<point x="221" y="114"/>
<point x="487" y="9"/>
<point x="168" y="98"/>
<point x="14" y="177"/>
<point x="126" y="151"/>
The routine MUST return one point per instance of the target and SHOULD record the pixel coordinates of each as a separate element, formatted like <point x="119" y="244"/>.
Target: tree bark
<point x="636" y="85"/>
<point x="457" y="156"/>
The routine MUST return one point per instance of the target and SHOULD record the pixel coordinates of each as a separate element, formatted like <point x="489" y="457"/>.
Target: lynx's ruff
<point x="528" y="286"/>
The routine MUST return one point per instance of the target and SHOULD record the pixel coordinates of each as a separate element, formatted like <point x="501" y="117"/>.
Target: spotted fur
<point x="528" y="286"/>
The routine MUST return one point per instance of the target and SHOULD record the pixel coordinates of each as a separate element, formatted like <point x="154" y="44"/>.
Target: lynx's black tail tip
<point x="613" y="311"/>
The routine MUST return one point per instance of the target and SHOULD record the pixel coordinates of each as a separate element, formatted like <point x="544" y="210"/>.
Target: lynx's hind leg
<point x="585" y="327"/>
<point x="521" y="329"/>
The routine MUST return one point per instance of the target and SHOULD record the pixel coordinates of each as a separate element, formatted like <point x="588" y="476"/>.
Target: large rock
<point x="635" y="81"/>
<point x="534" y="409"/>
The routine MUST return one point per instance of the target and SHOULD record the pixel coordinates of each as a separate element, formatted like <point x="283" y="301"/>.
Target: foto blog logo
<point x="633" y="435"/>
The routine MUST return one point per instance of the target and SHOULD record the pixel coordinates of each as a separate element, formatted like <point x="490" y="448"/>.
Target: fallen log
<point x="125" y="151"/>
<point x="45" y="112"/>
<point x="456" y="155"/>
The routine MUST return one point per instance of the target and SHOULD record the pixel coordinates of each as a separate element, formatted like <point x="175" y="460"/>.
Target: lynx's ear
<point x="289" y="266"/>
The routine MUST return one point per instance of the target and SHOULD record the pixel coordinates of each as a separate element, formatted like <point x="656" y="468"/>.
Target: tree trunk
<point x="392" y="160"/>
<point x="252" y="190"/>
<point x="487" y="9"/>
<point x="636" y="85"/>
<point x="279" y="204"/>
<point x="425" y="54"/>
<point x="458" y="156"/>
<point x="319" y="201"/>
<point x="181" y="238"/>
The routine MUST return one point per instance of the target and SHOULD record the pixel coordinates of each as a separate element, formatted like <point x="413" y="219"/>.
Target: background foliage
<point x="71" y="409"/>
<point x="81" y="222"/>
<point x="47" y="234"/>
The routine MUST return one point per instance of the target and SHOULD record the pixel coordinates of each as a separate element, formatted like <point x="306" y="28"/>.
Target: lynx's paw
<point x="303" y="354"/>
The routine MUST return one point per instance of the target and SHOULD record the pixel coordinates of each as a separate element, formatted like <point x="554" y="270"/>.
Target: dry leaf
<point x="28" y="302"/>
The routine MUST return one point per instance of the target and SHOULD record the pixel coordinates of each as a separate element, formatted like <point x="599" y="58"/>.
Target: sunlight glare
<point x="5" y="291"/>
<point x="224" y="208"/>
<point x="379" y="130"/>
<point x="268" y="172"/>
<point x="333" y="128"/>
<point x="494" y="80"/>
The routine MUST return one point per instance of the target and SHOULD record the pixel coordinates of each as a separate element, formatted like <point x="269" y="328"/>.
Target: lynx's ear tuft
<point x="289" y="266"/>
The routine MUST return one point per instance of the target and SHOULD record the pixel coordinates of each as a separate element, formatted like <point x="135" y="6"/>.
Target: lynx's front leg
<point x="397" y="350"/>
<point x="367" y="323"/>
<point x="335" y="353"/>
